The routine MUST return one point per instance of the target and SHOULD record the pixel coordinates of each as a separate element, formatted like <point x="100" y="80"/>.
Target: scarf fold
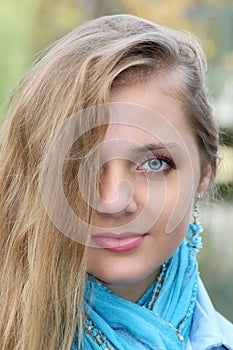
<point x="158" y="321"/>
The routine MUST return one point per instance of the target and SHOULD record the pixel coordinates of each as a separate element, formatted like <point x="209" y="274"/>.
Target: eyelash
<point x="169" y="161"/>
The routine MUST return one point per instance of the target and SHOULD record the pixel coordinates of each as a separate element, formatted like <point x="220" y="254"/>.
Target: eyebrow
<point x="155" y="146"/>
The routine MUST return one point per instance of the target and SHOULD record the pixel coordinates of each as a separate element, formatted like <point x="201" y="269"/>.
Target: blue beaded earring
<point x="194" y="231"/>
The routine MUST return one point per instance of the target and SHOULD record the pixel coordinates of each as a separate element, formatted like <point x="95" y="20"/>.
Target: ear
<point x="205" y="180"/>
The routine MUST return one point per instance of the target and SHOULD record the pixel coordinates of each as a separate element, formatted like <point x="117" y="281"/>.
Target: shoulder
<point x="210" y="330"/>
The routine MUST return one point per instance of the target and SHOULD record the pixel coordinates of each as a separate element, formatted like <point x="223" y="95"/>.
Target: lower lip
<point x="119" y="245"/>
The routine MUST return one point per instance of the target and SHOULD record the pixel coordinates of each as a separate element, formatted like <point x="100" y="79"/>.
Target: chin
<point x="115" y="279"/>
<point x="121" y="277"/>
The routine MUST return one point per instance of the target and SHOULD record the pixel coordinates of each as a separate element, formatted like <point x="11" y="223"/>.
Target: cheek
<point x="168" y="241"/>
<point x="171" y="209"/>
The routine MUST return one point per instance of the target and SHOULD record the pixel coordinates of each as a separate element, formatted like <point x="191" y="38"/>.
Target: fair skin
<point x="159" y="171"/>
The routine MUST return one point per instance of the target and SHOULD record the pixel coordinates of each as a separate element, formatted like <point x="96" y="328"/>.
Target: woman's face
<point x="149" y="179"/>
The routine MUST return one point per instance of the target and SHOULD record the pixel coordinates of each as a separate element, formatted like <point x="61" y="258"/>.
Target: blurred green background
<point x="27" y="26"/>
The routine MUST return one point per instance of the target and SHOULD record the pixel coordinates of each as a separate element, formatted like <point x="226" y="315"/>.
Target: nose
<point x="117" y="195"/>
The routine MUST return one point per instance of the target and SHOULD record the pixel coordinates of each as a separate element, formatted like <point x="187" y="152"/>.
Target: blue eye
<point x="156" y="165"/>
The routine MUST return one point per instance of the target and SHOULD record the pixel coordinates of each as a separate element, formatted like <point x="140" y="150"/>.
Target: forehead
<point x="153" y="96"/>
<point x="146" y="114"/>
<point x="131" y="142"/>
<point x="130" y="131"/>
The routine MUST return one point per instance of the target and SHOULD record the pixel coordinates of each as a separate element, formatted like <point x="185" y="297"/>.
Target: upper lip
<point x="118" y="235"/>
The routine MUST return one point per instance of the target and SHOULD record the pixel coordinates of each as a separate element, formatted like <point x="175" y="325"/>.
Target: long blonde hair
<point x="42" y="271"/>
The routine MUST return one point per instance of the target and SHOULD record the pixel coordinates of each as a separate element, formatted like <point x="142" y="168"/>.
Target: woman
<point x="108" y="145"/>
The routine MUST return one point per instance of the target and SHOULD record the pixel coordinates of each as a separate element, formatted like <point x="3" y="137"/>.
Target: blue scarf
<point x="160" y="320"/>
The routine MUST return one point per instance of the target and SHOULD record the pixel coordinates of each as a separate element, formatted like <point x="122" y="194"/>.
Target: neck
<point x="135" y="290"/>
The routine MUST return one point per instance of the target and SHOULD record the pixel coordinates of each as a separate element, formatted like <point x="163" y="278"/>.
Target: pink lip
<point x="119" y="243"/>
